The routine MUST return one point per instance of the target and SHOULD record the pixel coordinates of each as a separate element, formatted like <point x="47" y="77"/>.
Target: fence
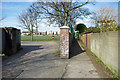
<point x="10" y="40"/>
<point x="105" y="46"/>
<point x="86" y="39"/>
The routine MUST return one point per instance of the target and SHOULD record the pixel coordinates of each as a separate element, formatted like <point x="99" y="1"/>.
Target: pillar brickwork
<point x="64" y="42"/>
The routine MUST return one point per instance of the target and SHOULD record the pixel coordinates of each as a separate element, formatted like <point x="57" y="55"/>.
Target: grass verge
<point x="40" y="38"/>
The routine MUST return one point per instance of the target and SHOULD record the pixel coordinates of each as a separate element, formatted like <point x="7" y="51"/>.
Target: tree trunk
<point x="65" y="22"/>
<point x="36" y="27"/>
<point x="66" y="19"/>
<point x="31" y="36"/>
<point x="32" y="33"/>
<point x="101" y="28"/>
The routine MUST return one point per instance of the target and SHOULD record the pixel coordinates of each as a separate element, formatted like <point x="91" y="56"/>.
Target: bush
<point x="81" y="28"/>
<point x="93" y="29"/>
<point x="118" y="28"/>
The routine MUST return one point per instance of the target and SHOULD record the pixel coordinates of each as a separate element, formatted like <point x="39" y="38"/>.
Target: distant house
<point x="49" y="33"/>
<point x="25" y="33"/>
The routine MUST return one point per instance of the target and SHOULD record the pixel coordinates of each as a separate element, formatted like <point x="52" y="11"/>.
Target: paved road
<point x="36" y="60"/>
<point x="41" y="60"/>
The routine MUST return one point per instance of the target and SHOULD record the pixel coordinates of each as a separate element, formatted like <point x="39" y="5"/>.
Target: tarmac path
<point x="41" y="60"/>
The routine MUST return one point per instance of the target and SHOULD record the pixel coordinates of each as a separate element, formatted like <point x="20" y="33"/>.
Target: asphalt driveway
<point x="35" y="60"/>
<point x="41" y="60"/>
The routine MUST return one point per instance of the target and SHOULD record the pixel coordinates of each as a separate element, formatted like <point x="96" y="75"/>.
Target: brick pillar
<point x="64" y="42"/>
<point x="0" y="40"/>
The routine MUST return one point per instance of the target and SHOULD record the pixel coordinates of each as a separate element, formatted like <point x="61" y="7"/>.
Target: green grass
<point x="40" y="38"/>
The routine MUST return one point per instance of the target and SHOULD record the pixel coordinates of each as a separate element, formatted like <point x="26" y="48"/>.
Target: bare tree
<point x="57" y="12"/>
<point x="106" y="19"/>
<point x="61" y="13"/>
<point x="35" y="16"/>
<point x="29" y="20"/>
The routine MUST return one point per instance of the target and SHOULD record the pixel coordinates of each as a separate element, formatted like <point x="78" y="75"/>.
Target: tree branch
<point x="79" y="6"/>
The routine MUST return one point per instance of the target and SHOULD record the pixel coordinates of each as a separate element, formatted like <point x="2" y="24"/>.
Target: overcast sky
<point x="12" y="9"/>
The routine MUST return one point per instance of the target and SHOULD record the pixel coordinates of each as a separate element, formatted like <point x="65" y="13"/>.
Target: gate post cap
<point x="64" y="27"/>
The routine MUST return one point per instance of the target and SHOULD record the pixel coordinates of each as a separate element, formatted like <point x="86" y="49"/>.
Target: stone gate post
<point x="64" y="41"/>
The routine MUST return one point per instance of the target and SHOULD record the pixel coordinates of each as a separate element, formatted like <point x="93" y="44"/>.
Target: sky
<point x="11" y="10"/>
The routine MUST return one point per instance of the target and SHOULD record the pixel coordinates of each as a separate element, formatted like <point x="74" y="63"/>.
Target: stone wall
<point x="106" y="46"/>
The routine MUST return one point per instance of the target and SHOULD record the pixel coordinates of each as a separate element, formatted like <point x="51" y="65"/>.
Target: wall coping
<point x="64" y="27"/>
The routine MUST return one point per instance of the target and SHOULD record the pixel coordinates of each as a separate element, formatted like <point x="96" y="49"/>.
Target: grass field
<point x="40" y="38"/>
